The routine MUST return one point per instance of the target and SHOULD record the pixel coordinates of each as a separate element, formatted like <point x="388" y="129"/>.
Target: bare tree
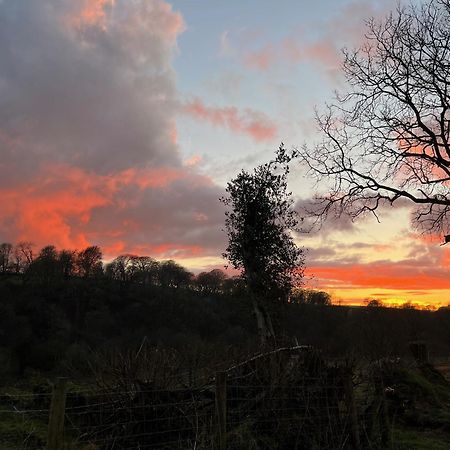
<point x="23" y="256"/>
<point x="387" y="138"/>
<point x="172" y="274"/>
<point x="89" y="261"/>
<point x="145" y="269"/>
<point x="5" y="256"/>
<point x="67" y="260"/>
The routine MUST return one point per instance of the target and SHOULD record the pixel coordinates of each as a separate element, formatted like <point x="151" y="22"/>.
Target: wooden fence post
<point x="55" y="435"/>
<point x="385" y="422"/>
<point x="352" y="412"/>
<point x="221" y="409"/>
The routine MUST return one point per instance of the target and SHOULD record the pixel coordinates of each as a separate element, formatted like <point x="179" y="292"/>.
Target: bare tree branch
<point x="387" y="138"/>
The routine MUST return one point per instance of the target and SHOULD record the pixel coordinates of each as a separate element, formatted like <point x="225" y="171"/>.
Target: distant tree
<point x="123" y="267"/>
<point x="45" y="267"/>
<point x="133" y="268"/>
<point x="408" y="305"/>
<point x="89" y="261"/>
<point x="374" y="303"/>
<point x="259" y="222"/>
<point x="310" y="297"/>
<point x="387" y="138"/>
<point x="49" y="253"/>
<point x="145" y="270"/>
<point x="66" y="262"/>
<point x="234" y="286"/>
<point x="173" y="275"/>
<point x="23" y="256"/>
<point x="6" y="250"/>
<point x="212" y="281"/>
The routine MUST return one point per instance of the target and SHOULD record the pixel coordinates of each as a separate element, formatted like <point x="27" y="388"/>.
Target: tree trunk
<point x="264" y="323"/>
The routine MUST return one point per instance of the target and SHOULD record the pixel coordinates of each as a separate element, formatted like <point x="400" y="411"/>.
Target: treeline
<point x="52" y="265"/>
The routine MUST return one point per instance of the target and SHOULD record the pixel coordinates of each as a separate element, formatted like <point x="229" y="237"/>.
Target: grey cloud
<point x="335" y="220"/>
<point x="183" y="214"/>
<point x="83" y="97"/>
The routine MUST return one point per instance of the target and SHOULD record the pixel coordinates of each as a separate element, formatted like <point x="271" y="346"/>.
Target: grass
<point x="17" y="430"/>
<point x="424" y="422"/>
<point x="24" y="430"/>
<point x="408" y="439"/>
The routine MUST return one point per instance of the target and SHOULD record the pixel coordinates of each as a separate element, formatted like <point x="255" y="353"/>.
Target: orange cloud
<point x="252" y="123"/>
<point x="381" y="275"/>
<point x="193" y="161"/>
<point x="144" y="178"/>
<point x="91" y="13"/>
<point x="57" y="206"/>
<point x="43" y="211"/>
<point x="154" y="15"/>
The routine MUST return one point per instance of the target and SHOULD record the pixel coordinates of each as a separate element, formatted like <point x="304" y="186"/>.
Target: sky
<point x="121" y="122"/>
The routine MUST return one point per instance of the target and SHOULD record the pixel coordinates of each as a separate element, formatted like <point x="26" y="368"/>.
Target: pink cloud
<point x="252" y="123"/>
<point x="164" y="22"/>
<point x="292" y="51"/>
<point x="262" y="59"/>
<point x="324" y="49"/>
<point x="194" y="160"/>
<point x="154" y="17"/>
<point x="90" y="13"/>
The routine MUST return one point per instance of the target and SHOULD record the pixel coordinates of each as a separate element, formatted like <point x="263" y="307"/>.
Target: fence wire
<point x="285" y="410"/>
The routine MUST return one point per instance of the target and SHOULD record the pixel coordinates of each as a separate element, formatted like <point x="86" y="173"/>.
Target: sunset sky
<point x="122" y="120"/>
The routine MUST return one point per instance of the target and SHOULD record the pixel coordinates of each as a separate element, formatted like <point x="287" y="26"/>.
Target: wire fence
<point x="277" y="401"/>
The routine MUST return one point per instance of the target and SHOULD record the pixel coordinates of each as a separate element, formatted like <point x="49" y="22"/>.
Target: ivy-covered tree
<point x="259" y="221"/>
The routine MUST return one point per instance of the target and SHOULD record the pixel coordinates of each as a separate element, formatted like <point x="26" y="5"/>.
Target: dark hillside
<point x="46" y="327"/>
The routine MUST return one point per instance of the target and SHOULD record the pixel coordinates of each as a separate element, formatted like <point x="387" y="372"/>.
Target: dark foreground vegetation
<point x="142" y="342"/>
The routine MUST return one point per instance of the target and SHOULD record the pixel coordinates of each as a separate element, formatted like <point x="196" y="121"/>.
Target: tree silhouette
<point x="311" y="297"/>
<point x="66" y="260"/>
<point x="211" y="282"/>
<point x="23" y="256"/>
<point x="171" y="274"/>
<point x="387" y="137"/>
<point x="6" y="250"/>
<point x="89" y="261"/>
<point x="259" y="221"/>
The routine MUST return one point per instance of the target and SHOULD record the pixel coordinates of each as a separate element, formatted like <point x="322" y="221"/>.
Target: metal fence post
<point x="55" y="436"/>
